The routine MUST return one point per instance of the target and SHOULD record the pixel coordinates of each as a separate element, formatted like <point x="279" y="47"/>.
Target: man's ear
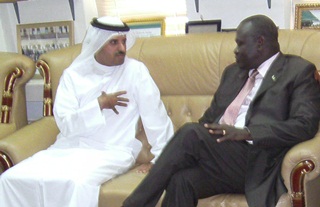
<point x="260" y="41"/>
<point x="317" y="76"/>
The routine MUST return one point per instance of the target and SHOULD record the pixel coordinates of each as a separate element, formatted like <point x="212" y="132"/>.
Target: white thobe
<point x="93" y="145"/>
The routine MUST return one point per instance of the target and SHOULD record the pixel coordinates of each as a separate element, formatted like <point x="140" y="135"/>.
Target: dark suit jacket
<point x="284" y="112"/>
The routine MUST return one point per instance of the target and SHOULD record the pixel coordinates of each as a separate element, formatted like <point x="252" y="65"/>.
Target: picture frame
<point x="36" y="39"/>
<point x="229" y="30"/>
<point x="203" y="26"/>
<point x="307" y="16"/>
<point x="146" y="27"/>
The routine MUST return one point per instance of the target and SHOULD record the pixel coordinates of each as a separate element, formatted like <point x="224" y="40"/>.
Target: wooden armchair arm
<point x="47" y="88"/>
<point x="27" y="141"/>
<point x="7" y="97"/>
<point x="15" y="71"/>
<point x="300" y="168"/>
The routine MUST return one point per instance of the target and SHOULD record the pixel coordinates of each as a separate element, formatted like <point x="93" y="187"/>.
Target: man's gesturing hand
<point x="110" y="101"/>
<point x="228" y="132"/>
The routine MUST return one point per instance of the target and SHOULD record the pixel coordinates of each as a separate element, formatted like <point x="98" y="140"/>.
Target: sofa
<point x="15" y="71"/>
<point x="187" y="70"/>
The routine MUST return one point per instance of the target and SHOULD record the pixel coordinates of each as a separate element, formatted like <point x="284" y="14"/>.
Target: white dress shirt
<point x="263" y="69"/>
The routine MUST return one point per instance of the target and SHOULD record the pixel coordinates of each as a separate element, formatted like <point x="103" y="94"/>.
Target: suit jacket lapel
<point x="271" y="77"/>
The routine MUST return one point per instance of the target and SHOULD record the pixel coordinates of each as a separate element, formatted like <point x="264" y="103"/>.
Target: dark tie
<point x="231" y="113"/>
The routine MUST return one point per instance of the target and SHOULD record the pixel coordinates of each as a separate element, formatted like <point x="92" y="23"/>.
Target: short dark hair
<point x="263" y="26"/>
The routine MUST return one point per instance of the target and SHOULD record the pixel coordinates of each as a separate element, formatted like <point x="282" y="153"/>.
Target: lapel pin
<point x="274" y="78"/>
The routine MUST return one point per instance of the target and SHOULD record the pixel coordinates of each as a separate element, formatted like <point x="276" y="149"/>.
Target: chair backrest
<point x="304" y="43"/>
<point x="187" y="68"/>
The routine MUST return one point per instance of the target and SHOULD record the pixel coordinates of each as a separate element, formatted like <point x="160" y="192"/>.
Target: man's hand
<point x="228" y="132"/>
<point x="144" y="168"/>
<point x="110" y="101"/>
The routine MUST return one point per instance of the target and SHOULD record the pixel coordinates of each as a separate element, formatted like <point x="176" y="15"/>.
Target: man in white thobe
<point x="99" y="100"/>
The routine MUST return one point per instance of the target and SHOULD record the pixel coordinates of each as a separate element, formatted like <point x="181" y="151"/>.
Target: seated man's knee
<point x="180" y="180"/>
<point x="191" y="126"/>
<point x="189" y="129"/>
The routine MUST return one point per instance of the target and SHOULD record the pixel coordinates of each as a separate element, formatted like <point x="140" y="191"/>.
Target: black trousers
<point x="192" y="166"/>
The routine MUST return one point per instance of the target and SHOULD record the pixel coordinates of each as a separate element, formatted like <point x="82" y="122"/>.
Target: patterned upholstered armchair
<point x="15" y="71"/>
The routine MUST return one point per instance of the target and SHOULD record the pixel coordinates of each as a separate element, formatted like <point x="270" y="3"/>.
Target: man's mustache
<point x="120" y="53"/>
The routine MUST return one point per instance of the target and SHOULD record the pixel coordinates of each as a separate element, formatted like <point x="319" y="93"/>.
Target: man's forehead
<point x="117" y="38"/>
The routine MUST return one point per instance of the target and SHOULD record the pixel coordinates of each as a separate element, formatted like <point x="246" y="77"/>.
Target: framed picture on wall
<point x="36" y="39"/>
<point x="204" y="26"/>
<point x="147" y="27"/>
<point x="307" y="16"/>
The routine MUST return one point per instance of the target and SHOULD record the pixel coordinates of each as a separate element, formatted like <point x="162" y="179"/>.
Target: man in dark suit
<point x="216" y="156"/>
